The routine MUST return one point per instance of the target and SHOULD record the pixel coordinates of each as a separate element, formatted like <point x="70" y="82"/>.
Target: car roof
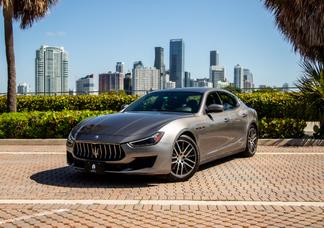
<point x="192" y="89"/>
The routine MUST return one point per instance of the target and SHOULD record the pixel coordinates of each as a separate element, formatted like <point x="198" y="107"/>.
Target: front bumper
<point x="148" y="160"/>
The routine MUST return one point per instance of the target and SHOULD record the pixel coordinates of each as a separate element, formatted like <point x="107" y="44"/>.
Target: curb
<point x="291" y="142"/>
<point x="261" y="142"/>
<point x="32" y="142"/>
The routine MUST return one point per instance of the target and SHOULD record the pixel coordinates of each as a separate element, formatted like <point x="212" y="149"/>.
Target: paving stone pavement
<point x="275" y="175"/>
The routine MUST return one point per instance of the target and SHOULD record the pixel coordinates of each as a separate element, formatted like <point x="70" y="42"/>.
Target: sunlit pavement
<point x="279" y="186"/>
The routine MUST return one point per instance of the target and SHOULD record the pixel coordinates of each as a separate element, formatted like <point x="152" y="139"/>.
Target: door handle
<point x="226" y="120"/>
<point x="244" y="114"/>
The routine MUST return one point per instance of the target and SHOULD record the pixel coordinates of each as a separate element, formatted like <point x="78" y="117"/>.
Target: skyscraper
<point x="214" y="60"/>
<point x="238" y="77"/>
<point x="159" y="64"/>
<point x="120" y="67"/>
<point x="51" y="70"/>
<point x="247" y="80"/>
<point x="145" y="79"/>
<point x="159" y="59"/>
<point x="187" y="79"/>
<point x="177" y="61"/>
<point x="216" y="75"/>
<point x="85" y="85"/>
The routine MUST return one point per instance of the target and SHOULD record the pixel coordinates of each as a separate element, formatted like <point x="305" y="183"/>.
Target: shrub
<point x="42" y="124"/>
<point x="275" y="104"/>
<point x="59" y="124"/>
<point x="267" y="104"/>
<point x="59" y="103"/>
<point x="281" y="128"/>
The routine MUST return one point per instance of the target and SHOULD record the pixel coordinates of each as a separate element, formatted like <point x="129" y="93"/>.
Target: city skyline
<point x="246" y="36"/>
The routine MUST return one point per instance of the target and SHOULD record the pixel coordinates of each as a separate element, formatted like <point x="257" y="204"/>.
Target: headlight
<point x="149" y="141"/>
<point x="71" y="136"/>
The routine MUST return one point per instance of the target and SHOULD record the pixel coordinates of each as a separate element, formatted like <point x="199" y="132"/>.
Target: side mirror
<point x="215" y="108"/>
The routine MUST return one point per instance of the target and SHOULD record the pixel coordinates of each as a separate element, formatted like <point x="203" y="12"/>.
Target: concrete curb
<point x="291" y="142"/>
<point x="32" y="142"/>
<point x="262" y="142"/>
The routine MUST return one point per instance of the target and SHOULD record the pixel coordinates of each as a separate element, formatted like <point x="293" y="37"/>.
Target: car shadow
<point x="68" y="177"/>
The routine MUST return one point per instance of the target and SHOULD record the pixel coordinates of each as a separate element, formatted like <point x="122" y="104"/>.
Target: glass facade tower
<point x="51" y="70"/>
<point x="177" y="60"/>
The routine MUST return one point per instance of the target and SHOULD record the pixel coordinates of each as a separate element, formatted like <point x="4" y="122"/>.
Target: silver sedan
<point x="169" y="132"/>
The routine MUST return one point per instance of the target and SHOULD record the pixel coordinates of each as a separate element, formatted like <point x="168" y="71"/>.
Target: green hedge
<point x="275" y="104"/>
<point x="58" y="125"/>
<point x="42" y="124"/>
<point x="270" y="105"/>
<point x="59" y="103"/>
<point x="281" y="128"/>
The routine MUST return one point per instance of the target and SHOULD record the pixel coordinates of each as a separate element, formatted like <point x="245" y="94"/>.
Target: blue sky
<point x="98" y="33"/>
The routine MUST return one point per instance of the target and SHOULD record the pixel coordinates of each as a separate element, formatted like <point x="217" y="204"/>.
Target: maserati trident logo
<point x="95" y="151"/>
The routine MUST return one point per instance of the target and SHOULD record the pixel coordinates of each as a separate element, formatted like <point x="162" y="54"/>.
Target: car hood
<point x="127" y="124"/>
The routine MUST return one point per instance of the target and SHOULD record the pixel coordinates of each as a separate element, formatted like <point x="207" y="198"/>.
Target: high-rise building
<point x="159" y="64"/>
<point x="109" y="82"/>
<point x="216" y="75"/>
<point x="128" y="83"/>
<point x="145" y="79"/>
<point x="247" y="80"/>
<point x="85" y="85"/>
<point x="214" y="61"/>
<point x="159" y="59"/>
<point x="187" y="79"/>
<point x="51" y="70"/>
<point x="177" y="61"/>
<point x="120" y="67"/>
<point x="23" y="88"/>
<point x="238" y="77"/>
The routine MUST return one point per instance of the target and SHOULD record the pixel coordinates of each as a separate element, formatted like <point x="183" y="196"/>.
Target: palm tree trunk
<point x="11" y="67"/>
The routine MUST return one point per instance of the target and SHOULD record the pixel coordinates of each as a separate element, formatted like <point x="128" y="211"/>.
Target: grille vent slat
<point x="100" y="152"/>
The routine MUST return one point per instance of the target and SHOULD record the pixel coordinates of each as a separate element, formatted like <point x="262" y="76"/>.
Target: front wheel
<point x="185" y="159"/>
<point x="251" y="142"/>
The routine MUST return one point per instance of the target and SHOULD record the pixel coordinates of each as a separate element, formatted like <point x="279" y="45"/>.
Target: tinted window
<point x="213" y="99"/>
<point x="168" y="102"/>
<point x="229" y="102"/>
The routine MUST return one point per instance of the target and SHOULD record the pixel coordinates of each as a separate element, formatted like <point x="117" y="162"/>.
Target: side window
<point x="229" y="102"/>
<point x="212" y="99"/>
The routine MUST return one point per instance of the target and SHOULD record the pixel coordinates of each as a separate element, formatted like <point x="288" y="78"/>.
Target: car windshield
<point x="188" y="102"/>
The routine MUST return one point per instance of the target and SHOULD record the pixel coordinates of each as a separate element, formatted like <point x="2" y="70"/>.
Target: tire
<point x="251" y="142"/>
<point x="185" y="159"/>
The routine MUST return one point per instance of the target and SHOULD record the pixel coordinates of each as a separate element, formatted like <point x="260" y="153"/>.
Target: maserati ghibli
<point x="168" y="132"/>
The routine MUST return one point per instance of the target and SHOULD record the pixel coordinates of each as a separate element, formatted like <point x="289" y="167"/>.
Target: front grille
<point x="100" y="152"/>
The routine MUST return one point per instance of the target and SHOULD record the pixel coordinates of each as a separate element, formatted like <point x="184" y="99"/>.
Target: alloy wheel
<point x="184" y="158"/>
<point x="252" y="140"/>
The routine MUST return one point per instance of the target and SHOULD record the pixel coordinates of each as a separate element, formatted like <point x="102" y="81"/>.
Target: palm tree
<point x="302" y="23"/>
<point x="25" y="12"/>
<point x="311" y="86"/>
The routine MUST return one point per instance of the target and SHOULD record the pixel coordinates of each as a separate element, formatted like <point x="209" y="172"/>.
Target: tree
<point x="302" y="23"/>
<point x="26" y="12"/>
<point x="311" y="86"/>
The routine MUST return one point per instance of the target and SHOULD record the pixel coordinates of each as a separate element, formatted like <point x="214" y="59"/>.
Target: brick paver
<point x="273" y="175"/>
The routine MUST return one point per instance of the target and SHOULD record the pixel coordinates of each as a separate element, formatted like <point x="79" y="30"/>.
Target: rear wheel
<point x="251" y="142"/>
<point x="185" y="159"/>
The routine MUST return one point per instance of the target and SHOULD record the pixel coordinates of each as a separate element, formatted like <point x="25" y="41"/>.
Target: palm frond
<point x="302" y="23"/>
